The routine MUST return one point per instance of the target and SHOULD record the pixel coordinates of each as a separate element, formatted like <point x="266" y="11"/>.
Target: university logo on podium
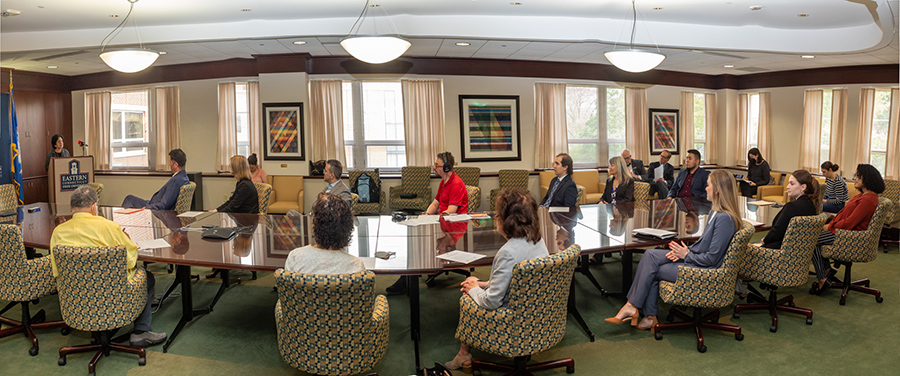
<point x="74" y="179"/>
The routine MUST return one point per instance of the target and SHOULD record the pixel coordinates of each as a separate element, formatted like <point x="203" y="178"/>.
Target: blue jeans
<point x="832" y="208"/>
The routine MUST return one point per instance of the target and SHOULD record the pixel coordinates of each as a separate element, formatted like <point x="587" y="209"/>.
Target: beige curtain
<point x="740" y="146"/>
<point x="227" y="139"/>
<point x="687" y="123"/>
<point x="765" y="126"/>
<point x="811" y="131"/>
<point x="864" y="127"/>
<point x="326" y="114"/>
<point x="550" y="122"/>
<point x="712" y="127"/>
<point x="97" y="112"/>
<point x="892" y="162"/>
<point x="838" y="123"/>
<point x="255" y="110"/>
<point x="168" y="123"/>
<point x="423" y="121"/>
<point x="637" y="125"/>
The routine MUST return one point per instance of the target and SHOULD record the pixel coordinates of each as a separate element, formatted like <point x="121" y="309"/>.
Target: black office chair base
<point x="104" y="347"/>
<point x="520" y="366"/>
<point x="772" y="304"/>
<point x="698" y="322"/>
<point x="430" y="280"/>
<point x="219" y="273"/>
<point x="861" y="285"/>
<point x="28" y="325"/>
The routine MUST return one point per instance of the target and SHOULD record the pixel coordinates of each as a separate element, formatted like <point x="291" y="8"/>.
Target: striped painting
<point x="283" y="132"/>
<point x="664" y="131"/>
<point x="490" y="128"/>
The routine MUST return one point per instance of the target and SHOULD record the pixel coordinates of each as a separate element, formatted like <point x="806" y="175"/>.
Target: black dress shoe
<point x="829" y="280"/>
<point x="398" y="288"/>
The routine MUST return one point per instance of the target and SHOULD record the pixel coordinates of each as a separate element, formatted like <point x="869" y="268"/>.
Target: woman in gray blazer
<point x="662" y="264"/>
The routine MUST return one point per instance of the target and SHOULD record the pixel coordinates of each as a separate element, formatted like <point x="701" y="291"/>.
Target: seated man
<point x="87" y="229"/>
<point x="167" y="196"/>
<point x="663" y="182"/>
<point x="562" y="190"/>
<point x="691" y="181"/>
<point x="336" y="186"/>
<point x="451" y="196"/>
<point x="635" y="166"/>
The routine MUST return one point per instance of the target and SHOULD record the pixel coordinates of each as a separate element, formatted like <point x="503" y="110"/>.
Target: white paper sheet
<point x="457" y="217"/>
<point x="421" y="220"/>
<point x="754" y="223"/>
<point x="558" y="209"/>
<point x="662" y="234"/>
<point x="658" y="172"/>
<point x="190" y="214"/>
<point x="461" y="257"/>
<point x="152" y="244"/>
<point x="761" y="203"/>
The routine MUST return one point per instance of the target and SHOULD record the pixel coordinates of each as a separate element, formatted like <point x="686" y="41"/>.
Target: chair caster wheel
<point x="570" y="369"/>
<point x="142" y="362"/>
<point x="739" y="337"/>
<point x="476" y="372"/>
<point x="879" y="299"/>
<point x="61" y="361"/>
<point x="701" y="348"/>
<point x="92" y="374"/>
<point x="430" y="283"/>
<point x="844" y="302"/>
<point x="736" y="315"/>
<point x="790" y="304"/>
<point x="33" y="351"/>
<point x="773" y="328"/>
<point x="658" y="336"/>
<point x="809" y="321"/>
<point x="65" y="331"/>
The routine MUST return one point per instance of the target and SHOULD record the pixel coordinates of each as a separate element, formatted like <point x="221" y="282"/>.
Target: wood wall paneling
<point x="36" y="189"/>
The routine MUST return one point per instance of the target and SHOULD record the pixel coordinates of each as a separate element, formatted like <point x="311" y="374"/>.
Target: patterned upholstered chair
<point x="509" y="179"/>
<point x="891" y="235"/>
<point x="858" y="246"/>
<point x="471" y="176"/>
<point x="97" y="187"/>
<point x="264" y="191"/>
<point x="785" y="267"/>
<point x="413" y="180"/>
<point x="8" y="198"/>
<point x="366" y="207"/>
<point x="95" y="295"/>
<point x="533" y="321"/>
<point x="330" y="324"/>
<point x="705" y="288"/>
<point x="641" y="191"/>
<point x="185" y="197"/>
<point x="22" y="281"/>
<point x="287" y="194"/>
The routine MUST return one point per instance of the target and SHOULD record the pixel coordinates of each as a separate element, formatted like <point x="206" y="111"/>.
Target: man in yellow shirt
<point x="87" y="229"/>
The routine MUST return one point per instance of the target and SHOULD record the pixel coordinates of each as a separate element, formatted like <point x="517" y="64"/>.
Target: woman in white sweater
<point x="332" y="229"/>
<point x="517" y="221"/>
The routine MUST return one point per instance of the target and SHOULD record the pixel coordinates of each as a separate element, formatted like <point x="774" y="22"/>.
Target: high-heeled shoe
<point x="459" y="361"/>
<point x="649" y="322"/>
<point x="634" y="318"/>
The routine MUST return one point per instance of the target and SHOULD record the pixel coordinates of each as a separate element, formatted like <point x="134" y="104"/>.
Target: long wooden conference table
<point x="263" y="242"/>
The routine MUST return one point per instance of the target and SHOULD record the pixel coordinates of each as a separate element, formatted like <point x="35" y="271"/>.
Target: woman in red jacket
<point x="854" y="216"/>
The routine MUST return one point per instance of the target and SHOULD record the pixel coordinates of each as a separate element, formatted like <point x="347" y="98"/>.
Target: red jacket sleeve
<point x="859" y="211"/>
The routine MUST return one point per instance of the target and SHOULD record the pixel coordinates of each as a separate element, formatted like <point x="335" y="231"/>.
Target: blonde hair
<point x="621" y="169"/>
<point x="724" y="196"/>
<point x="240" y="167"/>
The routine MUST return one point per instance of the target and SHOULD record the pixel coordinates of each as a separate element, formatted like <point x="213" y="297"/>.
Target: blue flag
<point x="15" y="158"/>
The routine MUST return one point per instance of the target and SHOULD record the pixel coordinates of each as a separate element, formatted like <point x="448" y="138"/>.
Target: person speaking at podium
<point x="57" y="143"/>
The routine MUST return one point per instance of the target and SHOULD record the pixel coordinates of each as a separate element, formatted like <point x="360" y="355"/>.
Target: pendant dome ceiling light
<point x="634" y="60"/>
<point x="374" y="49"/>
<point x="127" y="60"/>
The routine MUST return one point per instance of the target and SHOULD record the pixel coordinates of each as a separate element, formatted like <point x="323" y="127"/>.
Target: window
<point x="753" y="121"/>
<point x="242" y="118"/>
<point x="595" y="124"/>
<point x="825" y="133"/>
<point x="130" y="130"/>
<point x="373" y="124"/>
<point x="881" y="120"/>
<point x="700" y="122"/>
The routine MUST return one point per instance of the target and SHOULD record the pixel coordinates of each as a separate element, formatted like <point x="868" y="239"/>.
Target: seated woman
<point x="804" y="192"/>
<point x="836" y="194"/>
<point x="257" y="175"/>
<point x="620" y="185"/>
<point x="244" y="199"/>
<point x="662" y="265"/>
<point x="517" y="221"/>
<point x="332" y="223"/>
<point x="854" y="216"/>
<point x="757" y="173"/>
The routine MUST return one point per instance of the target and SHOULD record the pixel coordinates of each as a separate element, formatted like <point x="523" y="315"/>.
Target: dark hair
<point x="332" y="222"/>
<point x="751" y="161"/>
<point x="336" y="167"/>
<point x="447" y="158"/>
<point x="179" y="157"/>
<point x="812" y="187"/>
<point x="696" y="153"/>
<point x="567" y="162"/>
<point x="871" y="178"/>
<point x="53" y="140"/>
<point x="252" y="159"/>
<point x="83" y="197"/>
<point x="827" y="165"/>
<point x="517" y="215"/>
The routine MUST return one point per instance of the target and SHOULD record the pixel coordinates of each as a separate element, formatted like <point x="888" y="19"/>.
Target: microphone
<point x="82" y="143"/>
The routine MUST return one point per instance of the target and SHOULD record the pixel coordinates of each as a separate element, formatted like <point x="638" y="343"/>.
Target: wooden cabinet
<point x="36" y="189"/>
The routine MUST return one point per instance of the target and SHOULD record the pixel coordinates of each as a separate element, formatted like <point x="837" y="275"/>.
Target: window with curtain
<point x="130" y="130"/>
<point x="881" y="119"/>
<point x="595" y="124"/>
<point x="373" y="124"/>
<point x="825" y="133"/>
<point x="700" y="123"/>
<point x="615" y="122"/>
<point x="242" y="117"/>
<point x="753" y="121"/>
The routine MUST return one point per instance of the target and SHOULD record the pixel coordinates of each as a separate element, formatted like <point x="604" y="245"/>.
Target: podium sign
<point x="68" y="173"/>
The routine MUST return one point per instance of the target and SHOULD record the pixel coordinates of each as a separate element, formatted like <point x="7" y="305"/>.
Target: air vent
<point x="67" y="54"/>
<point x="753" y="69"/>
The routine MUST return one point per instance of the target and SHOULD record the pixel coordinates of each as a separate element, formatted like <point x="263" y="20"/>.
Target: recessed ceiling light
<point x="375" y="5"/>
<point x="52" y="66"/>
<point x="246" y="10"/>
<point x="755" y="7"/>
<point x="515" y="3"/>
<point x="658" y="8"/>
<point x="463" y="44"/>
<point x="729" y="66"/>
<point x="697" y="51"/>
<point x="299" y="42"/>
<point x="113" y="16"/>
<point x="162" y="52"/>
<point x="808" y="57"/>
<point x="803" y="15"/>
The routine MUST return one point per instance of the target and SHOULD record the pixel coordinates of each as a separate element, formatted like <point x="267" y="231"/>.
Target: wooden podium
<point x="66" y="174"/>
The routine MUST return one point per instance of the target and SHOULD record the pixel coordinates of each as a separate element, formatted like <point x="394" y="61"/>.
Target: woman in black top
<point x="757" y="173"/>
<point x="57" y="143"/>
<point x="804" y="190"/>
<point x="244" y="199"/>
<point x="620" y="185"/>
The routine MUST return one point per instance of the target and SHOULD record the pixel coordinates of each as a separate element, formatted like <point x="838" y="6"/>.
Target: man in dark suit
<point x="691" y="181"/>
<point x="336" y="186"/>
<point x="662" y="183"/>
<point x="635" y="166"/>
<point x="167" y="196"/>
<point x="562" y="190"/>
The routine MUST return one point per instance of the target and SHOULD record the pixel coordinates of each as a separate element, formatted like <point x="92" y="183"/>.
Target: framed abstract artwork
<point x="283" y="132"/>
<point x="663" y="131"/>
<point x="489" y="128"/>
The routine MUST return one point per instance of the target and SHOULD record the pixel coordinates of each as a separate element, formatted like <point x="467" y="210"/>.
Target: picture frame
<point x="664" y="131"/>
<point x="283" y="137"/>
<point x="489" y="128"/>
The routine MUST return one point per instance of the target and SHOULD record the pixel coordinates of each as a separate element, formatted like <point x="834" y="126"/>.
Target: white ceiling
<point x="698" y="36"/>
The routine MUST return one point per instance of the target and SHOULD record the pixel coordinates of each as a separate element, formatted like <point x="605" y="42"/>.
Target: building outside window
<point x="373" y="124"/>
<point x="595" y="124"/>
<point x="130" y="130"/>
<point x="881" y="120"/>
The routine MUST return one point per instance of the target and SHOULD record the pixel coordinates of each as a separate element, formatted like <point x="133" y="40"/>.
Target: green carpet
<point x="238" y="338"/>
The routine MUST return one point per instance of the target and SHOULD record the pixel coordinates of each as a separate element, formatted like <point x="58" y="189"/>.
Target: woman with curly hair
<point x="332" y="223"/>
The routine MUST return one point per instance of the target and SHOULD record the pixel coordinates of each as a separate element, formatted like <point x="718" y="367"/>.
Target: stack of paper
<point x="656" y="233"/>
<point x="190" y="214"/>
<point x="461" y="257"/>
<point x="421" y="220"/>
<point x="457" y="217"/>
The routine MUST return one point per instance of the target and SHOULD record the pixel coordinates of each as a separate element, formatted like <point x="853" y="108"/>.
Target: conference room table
<point x="263" y="242"/>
